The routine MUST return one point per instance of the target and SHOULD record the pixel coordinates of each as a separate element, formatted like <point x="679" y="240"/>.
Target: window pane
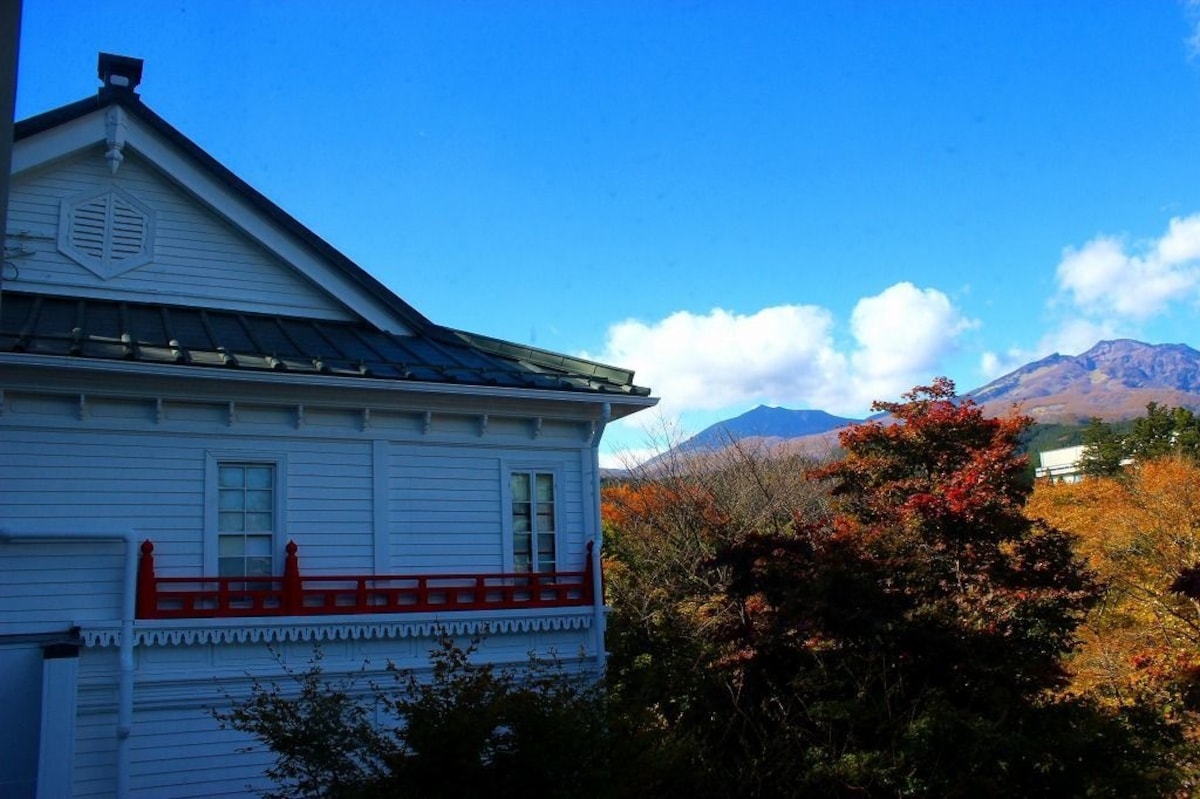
<point x="545" y="518"/>
<point x="260" y="477"/>
<point x="546" y="545"/>
<point x="230" y="567"/>
<point x="545" y="488"/>
<point x="521" y="521"/>
<point x="258" y="546"/>
<point x="258" y="500"/>
<point x="520" y="488"/>
<point x="231" y="522"/>
<point x="231" y="546"/>
<point x="258" y="522"/>
<point x="230" y="477"/>
<point x="258" y="567"/>
<point x="521" y="552"/>
<point x="230" y="499"/>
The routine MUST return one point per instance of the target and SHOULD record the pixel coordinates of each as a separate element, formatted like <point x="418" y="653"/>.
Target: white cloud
<point x="902" y="334"/>
<point x="719" y="359"/>
<point x="1191" y="9"/>
<point x="1104" y="278"/>
<point x="788" y="354"/>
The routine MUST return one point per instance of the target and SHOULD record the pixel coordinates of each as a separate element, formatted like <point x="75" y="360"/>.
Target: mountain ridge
<point x="1114" y="380"/>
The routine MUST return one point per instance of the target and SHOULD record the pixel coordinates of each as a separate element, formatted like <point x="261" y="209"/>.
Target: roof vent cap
<point x="120" y="74"/>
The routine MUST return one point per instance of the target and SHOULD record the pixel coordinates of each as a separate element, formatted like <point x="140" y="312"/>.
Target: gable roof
<point x="132" y="103"/>
<point x="147" y="332"/>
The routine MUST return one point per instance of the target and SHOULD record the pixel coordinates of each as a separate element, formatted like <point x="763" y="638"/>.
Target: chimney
<point x="120" y="74"/>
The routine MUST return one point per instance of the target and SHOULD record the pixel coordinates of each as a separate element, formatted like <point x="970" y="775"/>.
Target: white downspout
<point x="128" y="612"/>
<point x="600" y="620"/>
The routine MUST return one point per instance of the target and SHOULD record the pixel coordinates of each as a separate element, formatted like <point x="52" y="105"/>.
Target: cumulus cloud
<point x="790" y="354"/>
<point x="1109" y="278"/>
<point x="704" y="362"/>
<point x="902" y="334"/>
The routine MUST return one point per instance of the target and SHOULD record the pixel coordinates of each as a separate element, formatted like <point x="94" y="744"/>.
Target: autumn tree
<point x="910" y="643"/>
<point x="1142" y="536"/>
<point x="664" y="525"/>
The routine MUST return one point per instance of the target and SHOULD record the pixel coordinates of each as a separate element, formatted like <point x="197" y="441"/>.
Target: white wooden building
<point x="196" y="390"/>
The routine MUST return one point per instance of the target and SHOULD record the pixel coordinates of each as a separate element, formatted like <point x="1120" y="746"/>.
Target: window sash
<point x="534" y="521"/>
<point x="246" y="515"/>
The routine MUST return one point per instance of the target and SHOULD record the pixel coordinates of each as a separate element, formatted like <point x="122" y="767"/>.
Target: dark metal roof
<point x="40" y="324"/>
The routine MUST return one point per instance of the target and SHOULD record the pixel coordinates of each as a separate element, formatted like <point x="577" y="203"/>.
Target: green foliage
<point x="322" y="735"/>
<point x="1165" y="431"/>
<point x="466" y="729"/>
<point x="1104" y="450"/>
<point x="1162" y="431"/>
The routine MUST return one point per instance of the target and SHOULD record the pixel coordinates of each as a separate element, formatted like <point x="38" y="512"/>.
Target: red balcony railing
<point x="296" y="595"/>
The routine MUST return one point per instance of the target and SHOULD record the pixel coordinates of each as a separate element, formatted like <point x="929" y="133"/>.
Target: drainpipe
<point x="128" y="610"/>
<point x="598" y="578"/>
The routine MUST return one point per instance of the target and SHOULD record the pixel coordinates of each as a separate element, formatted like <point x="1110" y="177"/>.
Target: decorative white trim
<point x="331" y="628"/>
<point x="116" y="124"/>
<point x="106" y="230"/>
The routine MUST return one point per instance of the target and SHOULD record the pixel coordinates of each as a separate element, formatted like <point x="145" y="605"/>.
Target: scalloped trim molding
<point x="205" y="631"/>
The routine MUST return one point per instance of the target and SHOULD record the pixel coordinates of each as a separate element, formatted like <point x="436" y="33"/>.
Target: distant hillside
<point x="1114" y="380"/>
<point x="765" y="424"/>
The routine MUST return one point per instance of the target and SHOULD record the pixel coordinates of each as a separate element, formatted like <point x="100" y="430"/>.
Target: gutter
<point x="598" y="576"/>
<point x="128" y="611"/>
<point x="273" y="380"/>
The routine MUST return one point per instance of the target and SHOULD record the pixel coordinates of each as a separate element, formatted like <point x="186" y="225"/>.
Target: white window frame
<point x="508" y="469"/>
<point x="213" y="460"/>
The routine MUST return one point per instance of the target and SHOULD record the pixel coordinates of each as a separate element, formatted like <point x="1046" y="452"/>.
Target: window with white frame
<point x="534" y="521"/>
<point x="246" y="519"/>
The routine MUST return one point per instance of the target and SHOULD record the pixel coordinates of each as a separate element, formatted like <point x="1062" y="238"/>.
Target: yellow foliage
<point x="1138" y="531"/>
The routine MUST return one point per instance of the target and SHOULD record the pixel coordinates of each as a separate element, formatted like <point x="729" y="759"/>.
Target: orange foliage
<point x="1138" y="531"/>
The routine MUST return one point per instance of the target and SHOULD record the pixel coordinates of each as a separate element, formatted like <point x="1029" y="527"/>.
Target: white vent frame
<point x="106" y="230"/>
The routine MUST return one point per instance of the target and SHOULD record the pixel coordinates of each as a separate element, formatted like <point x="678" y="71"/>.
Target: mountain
<point x="1114" y="380"/>
<point x="764" y="423"/>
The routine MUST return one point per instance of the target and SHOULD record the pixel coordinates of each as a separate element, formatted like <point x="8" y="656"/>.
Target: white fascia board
<point x="88" y="130"/>
<point x="622" y="405"/>
<point x="58" y="142"/>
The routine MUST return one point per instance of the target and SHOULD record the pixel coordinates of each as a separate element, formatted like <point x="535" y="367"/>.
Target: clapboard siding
<point x="188" y="755"/>
<point x="197" y="255"/>
<point x="51" y="587"/>
<point x="446" y="506"/>
<point x="154" y="485"/>
<point x="95" y="755"/>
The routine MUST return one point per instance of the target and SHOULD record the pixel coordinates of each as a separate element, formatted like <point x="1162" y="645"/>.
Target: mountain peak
<point x="766" y="421"/>
<point x="1113" y="380"/>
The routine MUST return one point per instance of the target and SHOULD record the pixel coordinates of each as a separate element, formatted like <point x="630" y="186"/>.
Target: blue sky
<point x="806" y="204"/>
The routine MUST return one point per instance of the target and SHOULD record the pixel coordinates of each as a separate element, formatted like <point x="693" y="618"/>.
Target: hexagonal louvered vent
<point x="107" y="231"/>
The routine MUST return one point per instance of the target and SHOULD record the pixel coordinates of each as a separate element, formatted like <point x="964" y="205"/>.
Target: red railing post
<point x="147" y="588"/>
<point x="293" y="596"/>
